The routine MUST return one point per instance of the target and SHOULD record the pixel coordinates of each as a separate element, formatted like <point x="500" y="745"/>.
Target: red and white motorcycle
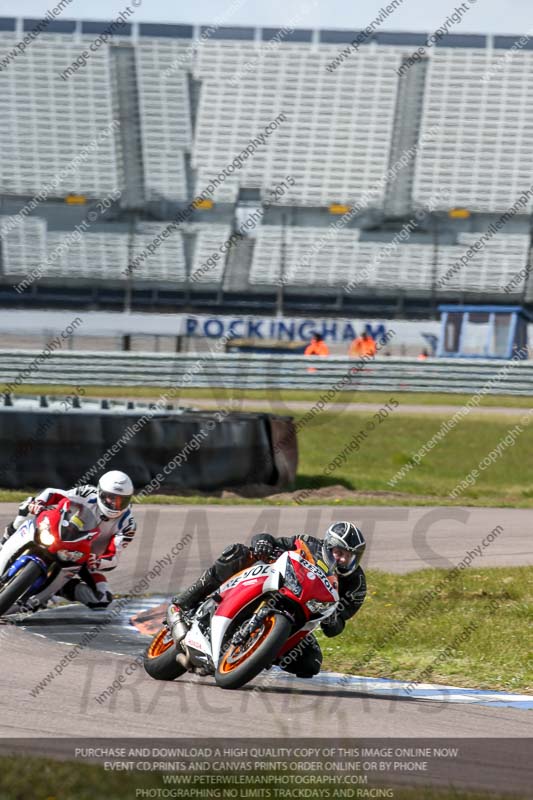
<point x="252" y="621"/>
<point x="43" y="554"/>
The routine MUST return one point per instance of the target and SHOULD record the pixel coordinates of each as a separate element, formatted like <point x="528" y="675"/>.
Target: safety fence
<point x="20" y="368"/>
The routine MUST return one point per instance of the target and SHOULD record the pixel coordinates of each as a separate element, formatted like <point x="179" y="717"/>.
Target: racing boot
<point x="198" y="591"/>
<point x="186" y="601"/>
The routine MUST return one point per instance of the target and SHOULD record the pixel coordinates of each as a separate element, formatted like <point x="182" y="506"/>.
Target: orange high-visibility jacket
<point x="316" y="349"/>
<point x="362" y="347"/>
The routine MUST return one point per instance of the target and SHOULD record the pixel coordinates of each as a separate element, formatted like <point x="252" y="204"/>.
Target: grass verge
<point x="391" y="445"/>
<point x="362" y="476"/>
<point x="25" y="777"/>
<point x="476" y="632"/>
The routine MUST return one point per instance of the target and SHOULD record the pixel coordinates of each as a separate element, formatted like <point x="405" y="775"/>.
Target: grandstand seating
<point x="95" y="255"/>
<point x="333" y="262"/>
<point x="209" y="239"/>
<point x="23" y="244"/>
<point x="200" y="105"/>
<point x="46" y="121"/>
<point x="166" y="124"/>
<point x="168" y="261"/>
<point x="344" y="260"/>
<point x="335" y="141"/>
<point x="482" y="153"/>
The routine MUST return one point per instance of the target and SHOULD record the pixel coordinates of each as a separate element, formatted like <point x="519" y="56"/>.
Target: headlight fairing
<point x="46" y="537"/>
<point x="291" y="581"/>
<point x="318" y="606"/>
<point x="70" y="555"/>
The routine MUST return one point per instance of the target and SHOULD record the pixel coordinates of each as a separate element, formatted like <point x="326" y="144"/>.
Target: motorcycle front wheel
<point x="17" y="586"/>
<point x="160" y="658"/>
<point x="241" y="663"/>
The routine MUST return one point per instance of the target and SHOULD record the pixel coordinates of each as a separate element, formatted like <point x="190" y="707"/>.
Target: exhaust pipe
<point x="176" y="623"/>
<point x="184" y="659"/>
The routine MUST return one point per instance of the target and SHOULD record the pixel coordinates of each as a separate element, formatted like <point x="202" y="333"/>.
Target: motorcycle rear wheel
<point x="239" y="666"/>
<point x="18" y="585"/>
<point x="160" y="658"/>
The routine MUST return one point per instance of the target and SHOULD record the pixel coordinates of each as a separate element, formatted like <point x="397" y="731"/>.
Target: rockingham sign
<point x="281" y="329"/>
<point x="260" y="328"/>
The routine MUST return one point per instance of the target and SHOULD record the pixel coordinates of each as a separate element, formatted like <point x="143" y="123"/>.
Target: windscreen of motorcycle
<point x="77" y="522"/>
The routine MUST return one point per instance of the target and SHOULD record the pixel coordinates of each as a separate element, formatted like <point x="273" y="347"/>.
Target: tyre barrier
<point x="58" y="443"/>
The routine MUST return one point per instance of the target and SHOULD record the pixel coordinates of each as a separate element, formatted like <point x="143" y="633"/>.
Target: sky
<point x="483" y="16"/>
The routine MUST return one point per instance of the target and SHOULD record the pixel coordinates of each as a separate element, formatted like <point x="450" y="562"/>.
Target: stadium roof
<point x="177" y="31"/>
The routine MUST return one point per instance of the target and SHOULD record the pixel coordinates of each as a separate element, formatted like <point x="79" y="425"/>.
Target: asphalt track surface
<point x="400" y="540"/>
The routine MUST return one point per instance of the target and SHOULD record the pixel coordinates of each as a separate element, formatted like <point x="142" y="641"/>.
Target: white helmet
<point x="115" y="491"/>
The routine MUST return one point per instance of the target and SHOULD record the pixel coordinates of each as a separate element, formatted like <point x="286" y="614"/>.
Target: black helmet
<point x="343" y="536"/>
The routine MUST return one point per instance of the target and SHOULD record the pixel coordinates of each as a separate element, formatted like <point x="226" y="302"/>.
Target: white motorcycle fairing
<point x="23" y="536"/>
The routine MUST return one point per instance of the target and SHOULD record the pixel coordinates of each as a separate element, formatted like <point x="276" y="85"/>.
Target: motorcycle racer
<point x="341" y="551"/>
<point x="109" y="504"/>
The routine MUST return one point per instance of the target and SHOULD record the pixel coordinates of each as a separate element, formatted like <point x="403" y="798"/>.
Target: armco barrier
<point x="19" y="368"/>
<point x="59" y="446"/>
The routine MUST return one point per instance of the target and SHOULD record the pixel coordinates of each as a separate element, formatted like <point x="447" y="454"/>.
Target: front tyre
<point x="17" y="586"/>
<point x="241" y="663"/>
<point x="160" y="658"/>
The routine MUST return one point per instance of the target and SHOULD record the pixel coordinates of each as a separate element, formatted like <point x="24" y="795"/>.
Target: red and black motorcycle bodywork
<point x="252" y="621"/>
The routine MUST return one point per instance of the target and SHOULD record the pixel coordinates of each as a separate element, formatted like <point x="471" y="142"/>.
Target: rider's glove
<point x="263" y="548"/>
<point x="94" y="563"/>
<point x="35" y="507"/>
<point x="333" y="625"/>
<point x="30" y="506"/>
